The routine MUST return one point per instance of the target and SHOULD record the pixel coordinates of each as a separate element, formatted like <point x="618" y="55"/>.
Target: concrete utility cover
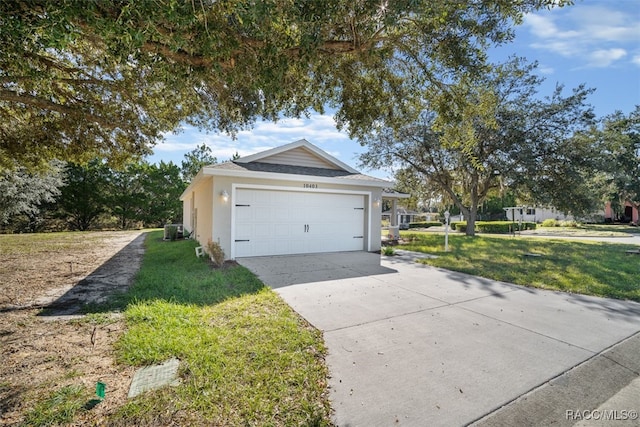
<point x="153" y="377"/>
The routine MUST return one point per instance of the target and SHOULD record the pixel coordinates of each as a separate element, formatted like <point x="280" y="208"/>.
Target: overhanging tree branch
<point x="47" y="105"/>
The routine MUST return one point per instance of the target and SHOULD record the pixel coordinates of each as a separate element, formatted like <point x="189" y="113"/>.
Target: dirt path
<point x="43" y="353"/>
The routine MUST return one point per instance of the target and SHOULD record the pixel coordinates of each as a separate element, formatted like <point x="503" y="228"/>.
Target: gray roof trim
<point x="294" y="173"/>
<point x="288" y="169"/>
<point x="392" y="194"/>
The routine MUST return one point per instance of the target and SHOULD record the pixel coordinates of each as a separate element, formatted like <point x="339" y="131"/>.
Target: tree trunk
<point x="472" y="212"/>
<point x="471" y="220"/>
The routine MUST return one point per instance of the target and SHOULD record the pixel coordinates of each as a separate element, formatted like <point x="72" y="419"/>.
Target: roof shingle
<point x="294" y="170"/>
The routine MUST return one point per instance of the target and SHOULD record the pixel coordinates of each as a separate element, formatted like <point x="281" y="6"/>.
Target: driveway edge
<point x="579" y="391"/>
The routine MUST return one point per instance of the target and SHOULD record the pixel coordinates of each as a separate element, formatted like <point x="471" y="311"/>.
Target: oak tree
<point x="620" y="136"/>
<point x="107" y="79"/>
<point x="476" y="135"/>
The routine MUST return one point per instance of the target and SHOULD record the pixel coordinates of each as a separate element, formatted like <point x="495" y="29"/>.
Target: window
<point x="531" y="211"/>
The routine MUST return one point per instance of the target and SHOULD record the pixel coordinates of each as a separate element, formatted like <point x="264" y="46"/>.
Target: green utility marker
<point x="100" y="389"/>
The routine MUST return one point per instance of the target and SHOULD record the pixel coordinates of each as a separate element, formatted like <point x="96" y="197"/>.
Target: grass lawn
<point x="588" y="230"/>
<point x="246" y="357"/>
<point x="588" y="268"/>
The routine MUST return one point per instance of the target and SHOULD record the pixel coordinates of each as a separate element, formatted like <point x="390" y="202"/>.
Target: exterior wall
<point x="222" y="212"/>
<point x="203" y="204"/>
<point x="608" y="211"/>
<point x="187" y="209"/>
<point x="609" y="214"/>
<point x="298" y="157"/>
<point x="540" y="215"/>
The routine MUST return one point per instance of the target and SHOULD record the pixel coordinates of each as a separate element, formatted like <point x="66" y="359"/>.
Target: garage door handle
<point x="243" y="206"/>
<point x="243" y="240"/>
<point x="358" y="237"/>
<point x="306" y="228"/>
<point x="359" y="209"/>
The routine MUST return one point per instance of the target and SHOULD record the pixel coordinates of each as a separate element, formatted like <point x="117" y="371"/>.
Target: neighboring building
<point x="629" y="213"/>
<point x="534" y="214"/>
<point x="403" y="215"/>
<point x="288" y="200"/>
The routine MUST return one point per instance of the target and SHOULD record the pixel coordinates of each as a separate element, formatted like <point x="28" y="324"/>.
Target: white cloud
<point x="540" y="26"/>
<point x="605" y="57"/>
<point x="543" y="69"/>
<point x="636" y="60"/>
<point x="319" y="129"/>
<point x="595" y="34"/>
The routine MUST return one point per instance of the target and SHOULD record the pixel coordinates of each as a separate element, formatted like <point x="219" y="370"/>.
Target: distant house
<point x="629" y="213"/>
<point x="534" y="214"/>
<point x="404" y="215"/>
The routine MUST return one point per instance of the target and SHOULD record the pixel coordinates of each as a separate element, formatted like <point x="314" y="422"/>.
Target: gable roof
<point x="302" y="152"/>
<point x="296" y="161"/>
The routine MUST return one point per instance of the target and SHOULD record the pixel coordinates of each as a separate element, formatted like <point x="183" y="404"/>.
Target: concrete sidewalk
<point x="410" y="344"/>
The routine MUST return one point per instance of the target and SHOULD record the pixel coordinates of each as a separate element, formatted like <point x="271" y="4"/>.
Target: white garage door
<point x="269" y="222"/>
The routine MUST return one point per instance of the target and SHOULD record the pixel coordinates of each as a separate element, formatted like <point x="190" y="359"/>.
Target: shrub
<point x="424" y="224"/>
<point x="493" y="226"/>
<point x="215" y="253"/>
<point x="503" y="226"/>
<point x="388" y="251"/>
<point x="549" y="223"/>
<point x="459" y="226"/>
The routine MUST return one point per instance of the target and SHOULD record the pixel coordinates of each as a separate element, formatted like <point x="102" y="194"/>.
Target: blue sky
<point x="596" y="42"/>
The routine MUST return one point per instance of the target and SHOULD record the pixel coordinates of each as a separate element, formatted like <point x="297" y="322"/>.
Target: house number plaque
<point x="309" y="185"/>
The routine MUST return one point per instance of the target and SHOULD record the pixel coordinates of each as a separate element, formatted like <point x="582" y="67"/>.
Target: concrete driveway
<point x="414" y="345"/>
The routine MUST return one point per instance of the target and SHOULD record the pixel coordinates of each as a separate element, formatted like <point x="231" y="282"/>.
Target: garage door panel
<point x="288" y="222"/>
<point x="244" y="214"/>
<point x="243" y="249"/>
<point x="262" y="231"/>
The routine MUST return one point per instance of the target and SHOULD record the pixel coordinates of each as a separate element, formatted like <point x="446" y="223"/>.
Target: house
<point x="629" y="213"/>
<point x="534" y="214"/>
<point x="403" y="215"/>
<point x="292" y="199"/>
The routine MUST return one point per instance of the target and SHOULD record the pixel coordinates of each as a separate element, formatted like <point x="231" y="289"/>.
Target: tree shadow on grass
<point x="111" y="278"/>
<point x="172" y="272"/>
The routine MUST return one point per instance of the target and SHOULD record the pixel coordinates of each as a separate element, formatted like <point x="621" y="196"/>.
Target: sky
<point x="595" y="42"/>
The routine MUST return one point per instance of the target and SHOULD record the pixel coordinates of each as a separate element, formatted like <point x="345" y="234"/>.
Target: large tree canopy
<point x="195" y="160"/>
<point x="85" y="79"/>
<point x="25" y="194"/>
<point x="474" y="136"/>
<point x="620" y="136"/>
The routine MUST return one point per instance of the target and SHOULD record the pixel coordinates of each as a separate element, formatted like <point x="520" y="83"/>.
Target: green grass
<point x="588" y="268"/>
<point x="588" y="230"/>
<point x="618" y="228"/>
<point x="59" y="408"/>
<point x="246" y="357"/>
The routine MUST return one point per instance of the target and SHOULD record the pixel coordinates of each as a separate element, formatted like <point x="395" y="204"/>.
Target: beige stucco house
<point x="292" y="199"/>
